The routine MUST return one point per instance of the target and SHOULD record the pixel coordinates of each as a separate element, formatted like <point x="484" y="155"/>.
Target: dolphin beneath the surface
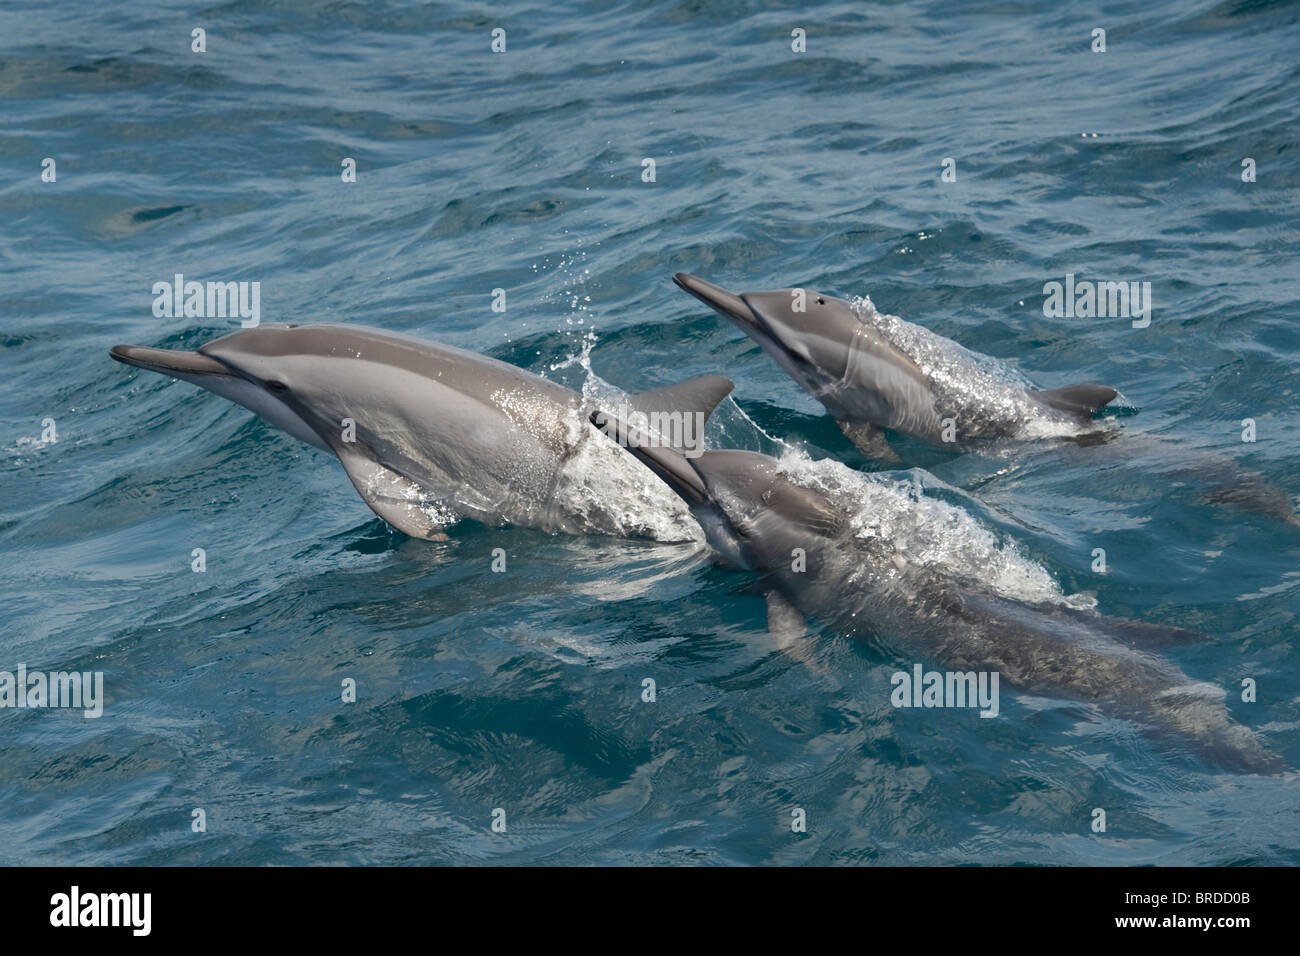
<point x="813" y="561"/>
<point x="428" y="433"/>
<point x="875" y="372"/>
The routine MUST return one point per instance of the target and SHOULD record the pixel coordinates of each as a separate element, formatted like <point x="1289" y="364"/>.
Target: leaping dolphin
<point x="865" y="582"/>
<point x="428" y="433"/>
<point x="874" y="371"/>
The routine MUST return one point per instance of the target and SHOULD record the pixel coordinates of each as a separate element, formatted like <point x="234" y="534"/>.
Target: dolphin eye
<point x="277" y="386"/>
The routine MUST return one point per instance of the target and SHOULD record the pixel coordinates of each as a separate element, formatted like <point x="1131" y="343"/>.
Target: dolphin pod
<point x="428" y="433"/>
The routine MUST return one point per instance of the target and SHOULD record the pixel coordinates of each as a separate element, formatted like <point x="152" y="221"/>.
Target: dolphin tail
<point x="1079" y="400"/>
<point x="1196" y="713"/>
<point x="1257" y="495"/>
<point x="694" y="398"/>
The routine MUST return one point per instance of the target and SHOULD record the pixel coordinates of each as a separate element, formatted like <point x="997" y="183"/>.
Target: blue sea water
<point x="523" y="171"/>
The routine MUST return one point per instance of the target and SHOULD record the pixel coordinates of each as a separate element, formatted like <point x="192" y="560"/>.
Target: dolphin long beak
<point x="672" y="468"/>
<point x="732" y="306"/>
<point x="168" y="361"/>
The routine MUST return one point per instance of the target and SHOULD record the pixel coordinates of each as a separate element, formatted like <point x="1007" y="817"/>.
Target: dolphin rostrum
<point x="874" y="371"/>
<point x="429" y="433"/>
<point x="816" y="558"/>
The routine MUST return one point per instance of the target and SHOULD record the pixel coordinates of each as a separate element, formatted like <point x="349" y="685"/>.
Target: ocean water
<point x="523" y="171"/>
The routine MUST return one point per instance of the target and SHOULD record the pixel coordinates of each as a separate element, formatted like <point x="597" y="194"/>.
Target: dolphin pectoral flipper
<point x="393" y="497"/>
<point x="695" y="396"/>
<point x="785" y="622"/>
<point x="788" y="629"/>
<point x="1081" y="400"/>
<point x="870" y="440"/>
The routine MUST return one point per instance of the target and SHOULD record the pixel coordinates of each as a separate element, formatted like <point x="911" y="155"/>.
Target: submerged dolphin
<point x="875" y="372"/>
<point x="865" y="582"/>
<point x="428" y="432"/>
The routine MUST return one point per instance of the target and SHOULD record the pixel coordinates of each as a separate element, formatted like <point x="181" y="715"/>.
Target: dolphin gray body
<point x="428" y="433"/>
<point x="865" y="585"/>
<point x="875" y="372"/>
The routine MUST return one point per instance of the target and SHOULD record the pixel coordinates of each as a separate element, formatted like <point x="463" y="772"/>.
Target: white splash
<point x="971" y="386"/>
<point x="892" y="508"/>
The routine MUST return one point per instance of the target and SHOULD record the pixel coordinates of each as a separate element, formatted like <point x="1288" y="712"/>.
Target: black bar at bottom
<point x="334" y="905"/>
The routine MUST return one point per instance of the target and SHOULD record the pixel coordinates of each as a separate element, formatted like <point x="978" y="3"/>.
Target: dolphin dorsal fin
<point x="700" y="394"/>
<point x="695" y="395"/>
<point x="1082" y="400"/>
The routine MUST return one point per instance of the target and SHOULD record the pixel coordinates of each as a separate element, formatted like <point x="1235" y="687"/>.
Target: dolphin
<point x="429" y="433"/>
<point x="814" y="561"/>
<point x="875" y="372"/>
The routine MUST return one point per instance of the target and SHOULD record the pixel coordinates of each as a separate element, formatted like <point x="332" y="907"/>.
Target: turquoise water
<point x="523" y="171"/>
